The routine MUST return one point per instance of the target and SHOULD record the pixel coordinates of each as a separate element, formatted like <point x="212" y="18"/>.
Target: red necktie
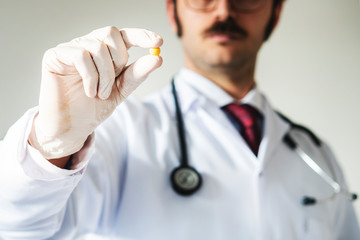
<point x="247" y="117"/>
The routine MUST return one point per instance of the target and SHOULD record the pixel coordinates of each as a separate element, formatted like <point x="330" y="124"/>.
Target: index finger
<point x="137" y="37"/>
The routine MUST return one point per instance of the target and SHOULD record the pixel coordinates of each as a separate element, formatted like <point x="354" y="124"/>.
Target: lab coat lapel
<point x="235" y="145"/>
<point x="274" y="131"/>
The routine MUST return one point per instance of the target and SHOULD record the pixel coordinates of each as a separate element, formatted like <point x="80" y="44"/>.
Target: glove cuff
<point x="53" y="147"/>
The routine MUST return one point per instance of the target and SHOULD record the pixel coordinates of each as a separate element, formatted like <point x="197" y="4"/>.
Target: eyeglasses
<point x="237" y="5"/>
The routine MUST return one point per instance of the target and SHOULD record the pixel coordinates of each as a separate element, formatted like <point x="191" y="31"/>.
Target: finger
<point x="81" y="60"/>
<point x="136" y="37"/>
<point x="103" y="61"/>
<point x="111" y="36"/>
<point x="136" y="73"/>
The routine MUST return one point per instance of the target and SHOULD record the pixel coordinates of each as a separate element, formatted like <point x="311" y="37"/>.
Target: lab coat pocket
<point x="316" y="229"/>
<point x="317" y="222"/>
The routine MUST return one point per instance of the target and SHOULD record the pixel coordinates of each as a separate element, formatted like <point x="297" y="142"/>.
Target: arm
<point x="38" y="199"/>
<point x="32" y="196"/>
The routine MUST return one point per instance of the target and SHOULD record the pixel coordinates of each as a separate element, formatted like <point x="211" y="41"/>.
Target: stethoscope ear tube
<point x="293" y="125"/>
<point x="307" y="200"/>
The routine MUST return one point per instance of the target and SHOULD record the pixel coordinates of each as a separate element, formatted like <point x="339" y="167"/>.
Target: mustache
<point x="229" y="26"/>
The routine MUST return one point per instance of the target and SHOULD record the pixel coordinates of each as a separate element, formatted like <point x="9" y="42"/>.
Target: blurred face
<point x="222" y="37"/>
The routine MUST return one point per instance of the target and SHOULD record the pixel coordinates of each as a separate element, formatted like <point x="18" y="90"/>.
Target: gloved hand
<point x="82" y="83"/>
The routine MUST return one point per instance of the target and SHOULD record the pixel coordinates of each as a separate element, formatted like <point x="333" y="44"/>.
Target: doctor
<point x="90" y="159"/>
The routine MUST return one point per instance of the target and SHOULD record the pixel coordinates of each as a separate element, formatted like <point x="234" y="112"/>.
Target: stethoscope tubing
<point x="311" y="163"/>
<point x="186" y="180"/>
<point x="180" y="127"/>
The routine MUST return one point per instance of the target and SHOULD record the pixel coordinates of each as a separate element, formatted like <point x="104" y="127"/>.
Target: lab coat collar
<point x="214" y="93"/>
<point x="274" y="131"/>
<point x="193" y="90"/>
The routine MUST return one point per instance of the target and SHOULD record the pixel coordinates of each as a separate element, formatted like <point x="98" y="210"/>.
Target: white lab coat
<point x="121" y="187"/>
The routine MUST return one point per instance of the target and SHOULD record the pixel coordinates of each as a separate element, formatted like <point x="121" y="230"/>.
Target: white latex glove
<point x="82" y="83"/>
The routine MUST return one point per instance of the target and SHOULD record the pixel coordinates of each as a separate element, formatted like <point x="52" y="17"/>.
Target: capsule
<point x="155" y="51"/>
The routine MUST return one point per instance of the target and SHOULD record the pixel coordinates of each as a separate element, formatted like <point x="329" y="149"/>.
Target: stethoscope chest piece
<point x="185" y="180"/>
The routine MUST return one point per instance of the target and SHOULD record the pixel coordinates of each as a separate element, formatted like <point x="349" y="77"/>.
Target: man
<point x="79" y="164"/>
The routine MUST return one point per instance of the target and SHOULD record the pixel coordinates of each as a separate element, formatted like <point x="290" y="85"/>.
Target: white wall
<point x="310" y="68"/>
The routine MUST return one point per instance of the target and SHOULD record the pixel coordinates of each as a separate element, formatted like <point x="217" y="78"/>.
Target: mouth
<point x="222" y="37"/>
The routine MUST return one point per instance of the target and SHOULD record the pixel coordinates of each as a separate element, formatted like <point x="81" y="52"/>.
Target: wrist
<point x="57" y="149"/>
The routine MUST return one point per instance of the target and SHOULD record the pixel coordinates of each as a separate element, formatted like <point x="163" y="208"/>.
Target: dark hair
<point x="271" y="23"/>
<point x="268" y="28"/>
<point x="179" y="28"/>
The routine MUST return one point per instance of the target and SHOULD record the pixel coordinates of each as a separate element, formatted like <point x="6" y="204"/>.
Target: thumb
<point x="136" y="73"/>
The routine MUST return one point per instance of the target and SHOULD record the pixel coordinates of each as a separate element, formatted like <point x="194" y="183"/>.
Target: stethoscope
<point x="186" y="180"/>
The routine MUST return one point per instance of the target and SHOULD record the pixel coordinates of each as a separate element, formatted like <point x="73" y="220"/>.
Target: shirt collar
<point x="213" y="92"/>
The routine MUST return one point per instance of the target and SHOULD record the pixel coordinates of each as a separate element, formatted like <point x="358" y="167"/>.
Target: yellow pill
<point x="154" y="51"/>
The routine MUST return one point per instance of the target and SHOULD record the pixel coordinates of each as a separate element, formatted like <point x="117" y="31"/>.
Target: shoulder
<point x="305" y="139"/>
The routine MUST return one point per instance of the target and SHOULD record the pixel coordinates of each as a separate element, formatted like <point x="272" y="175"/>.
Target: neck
<point x="236" y="81"/>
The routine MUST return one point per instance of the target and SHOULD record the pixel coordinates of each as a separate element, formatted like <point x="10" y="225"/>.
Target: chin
<point x="222" y="58"/>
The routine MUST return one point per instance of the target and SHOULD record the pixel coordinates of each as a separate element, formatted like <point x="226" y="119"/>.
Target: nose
<point x="223" y="10"/>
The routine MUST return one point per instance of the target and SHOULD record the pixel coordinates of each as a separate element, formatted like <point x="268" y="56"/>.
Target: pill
<point x="154" y="51"/>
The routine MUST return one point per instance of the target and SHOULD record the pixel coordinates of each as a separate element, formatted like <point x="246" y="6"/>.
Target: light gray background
<point x="309" y="69"/>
